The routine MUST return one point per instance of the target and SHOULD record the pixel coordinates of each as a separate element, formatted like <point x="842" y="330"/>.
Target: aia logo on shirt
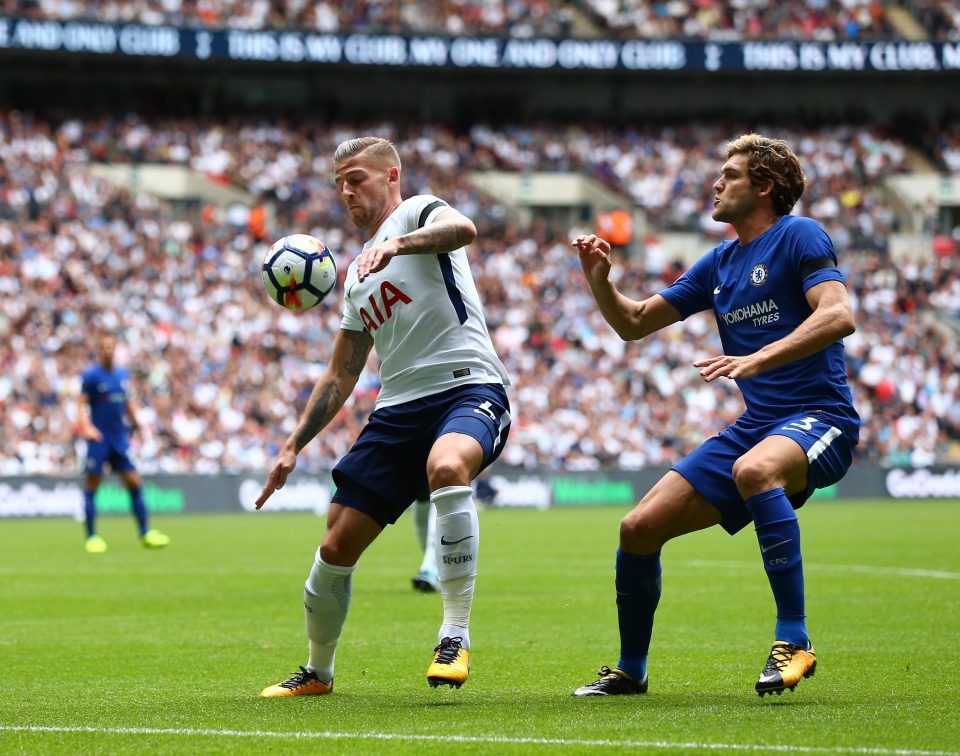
<point x="758" y="276"/>
<point x="382" y="306"/>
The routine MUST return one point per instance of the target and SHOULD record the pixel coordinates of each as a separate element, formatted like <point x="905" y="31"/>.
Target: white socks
<point x="425" y="522"/>
<point x="326" y="599"/>
<point x="456" y="554"/>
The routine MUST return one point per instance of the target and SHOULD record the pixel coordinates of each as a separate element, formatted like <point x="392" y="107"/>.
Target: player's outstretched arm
<point x="631" y="319"/>
<point x="350" y="352"/>
<point x="830" y="321"/>
<point x="447" y="231"/>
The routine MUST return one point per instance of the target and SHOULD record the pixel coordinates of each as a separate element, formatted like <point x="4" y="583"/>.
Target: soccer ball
<point x="299" y="272"/>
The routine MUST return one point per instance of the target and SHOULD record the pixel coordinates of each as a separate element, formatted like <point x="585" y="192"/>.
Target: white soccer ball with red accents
<point x="299" y="272"/>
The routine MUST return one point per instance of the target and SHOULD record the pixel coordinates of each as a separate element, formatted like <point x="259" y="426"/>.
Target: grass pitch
<point x="138" y="651"/>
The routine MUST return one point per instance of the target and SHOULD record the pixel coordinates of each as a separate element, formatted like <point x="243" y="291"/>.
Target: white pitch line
<point x="491" y="739"/>
<point x="863" y="569"/>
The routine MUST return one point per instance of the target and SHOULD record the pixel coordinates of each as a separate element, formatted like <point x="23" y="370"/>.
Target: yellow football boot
<point x="451" y="664"/>
<point x="154" y="539"/>
<point x="786" y="665"/>
<point x="95" y="545"/>
<point x="303" y="683"/>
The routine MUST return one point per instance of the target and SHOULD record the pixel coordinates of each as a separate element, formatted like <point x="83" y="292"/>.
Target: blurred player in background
<point x="441" y="416"/>
<point x="106" y="389"/>
<point x="782" y="310"/>
<point x="425" y="525"/>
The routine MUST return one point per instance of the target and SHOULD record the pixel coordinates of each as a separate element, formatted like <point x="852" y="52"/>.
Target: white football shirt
<point x="424" y="315"/>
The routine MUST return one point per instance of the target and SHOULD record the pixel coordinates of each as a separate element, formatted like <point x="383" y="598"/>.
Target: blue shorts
<point x="114" y="451"/>
<point x="386" y="469"/>
<point x="709" y="468"/>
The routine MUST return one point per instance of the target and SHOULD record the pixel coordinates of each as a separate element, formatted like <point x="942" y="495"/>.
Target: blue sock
<point x="638" y="593"/>
<point x="779" y="535"/>
<point x="89" y="513"/>
<point x="139" y="509"/>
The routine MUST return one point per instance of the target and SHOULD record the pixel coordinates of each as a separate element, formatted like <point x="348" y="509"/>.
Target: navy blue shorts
<point x="116" y="453"/>
<point x="709" y="468"/>
<point x="386" y="469"/>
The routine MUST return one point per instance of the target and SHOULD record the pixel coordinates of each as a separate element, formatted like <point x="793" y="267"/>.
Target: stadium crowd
<point x="823" y="20"/>
<point x="719" y="20"/>
<point x="515" y="18"/>
<point x="667" y="171"/>
<point x="940" y="18"/>
<point x="222" y="372"/>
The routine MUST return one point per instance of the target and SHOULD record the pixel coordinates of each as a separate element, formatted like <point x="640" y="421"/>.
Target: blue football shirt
<point x="757" y="293"/>
<point x="106" y="391"/>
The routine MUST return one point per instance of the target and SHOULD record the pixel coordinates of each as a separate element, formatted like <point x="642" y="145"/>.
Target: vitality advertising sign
<point x="270" y="46"/>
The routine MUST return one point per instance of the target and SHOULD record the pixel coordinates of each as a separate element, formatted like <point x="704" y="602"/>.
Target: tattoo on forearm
<point x="360" y="342"/>
<point x="323" y="404"/>
<point x="440" y="237"/>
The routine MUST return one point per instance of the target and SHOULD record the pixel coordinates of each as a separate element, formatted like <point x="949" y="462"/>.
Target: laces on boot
<point x="299" y="678"/>
<point x="780" y="656"/>
<point x="447" y="650"/>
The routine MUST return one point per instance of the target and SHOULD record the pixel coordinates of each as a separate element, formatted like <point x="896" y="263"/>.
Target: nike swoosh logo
<point x="765" y="549"/>
<point x="717" y="290"/>
<point x="445" y="542"/>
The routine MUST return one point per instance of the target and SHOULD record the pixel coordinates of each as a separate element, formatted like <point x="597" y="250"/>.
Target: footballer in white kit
<point x="424" y="314"/>
<point x="441" y="417"/>
<point x="438" y="368"/>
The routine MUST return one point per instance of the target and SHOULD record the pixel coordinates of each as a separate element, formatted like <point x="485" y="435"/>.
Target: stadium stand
<point x="518" y="19"/>
<point x="180" y="281"/>
<point x="824" y="20"/>
<point x="940" y="18"/>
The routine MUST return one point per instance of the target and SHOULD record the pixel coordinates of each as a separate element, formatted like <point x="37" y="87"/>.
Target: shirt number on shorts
<point x="804" y="426"/>
<point x="486" y="408"/>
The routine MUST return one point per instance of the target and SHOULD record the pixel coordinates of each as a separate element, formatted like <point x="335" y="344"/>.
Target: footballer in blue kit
<point x="782" y="310"/>
<point x="104" y="410"/>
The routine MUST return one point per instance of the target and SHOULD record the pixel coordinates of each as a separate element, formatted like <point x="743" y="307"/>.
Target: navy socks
<point x="89" y="512"/>
<point x="139" y="509"/>
<point x="779" y="535"/>
<point x="638" y="593"/>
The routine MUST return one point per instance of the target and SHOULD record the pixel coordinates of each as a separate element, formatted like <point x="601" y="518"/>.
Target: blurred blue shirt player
<point x="782" y="311"/>
<point x="104" y="409"/>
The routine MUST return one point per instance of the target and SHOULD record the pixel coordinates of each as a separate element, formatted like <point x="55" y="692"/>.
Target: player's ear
<point x="765" y="189"/>
<point x="394" y="174"/>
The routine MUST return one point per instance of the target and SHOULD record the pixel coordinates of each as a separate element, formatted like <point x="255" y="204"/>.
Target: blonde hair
<point x="771" y="160"/>
<point x="381" y="149"/>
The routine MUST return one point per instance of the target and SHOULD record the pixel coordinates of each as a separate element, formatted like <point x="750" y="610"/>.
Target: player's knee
<point x="753" y="476"/>
<point x="639" y="534"/>
<point x="448" y="470"/>
<point x="336" y="552"/>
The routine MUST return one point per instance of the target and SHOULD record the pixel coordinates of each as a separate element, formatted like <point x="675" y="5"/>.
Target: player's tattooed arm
<point x="324" y="403"/>
<point x="350" y="352"/>
<point x="361" y="343"/>
<point x="448" y="231"/>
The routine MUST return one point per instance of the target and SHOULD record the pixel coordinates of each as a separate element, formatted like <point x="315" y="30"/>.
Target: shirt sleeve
<point x="351" y="317"/>
<point x="814" y="254"/>
<point x="423" y="209"/>
<point x="692" y="292"/>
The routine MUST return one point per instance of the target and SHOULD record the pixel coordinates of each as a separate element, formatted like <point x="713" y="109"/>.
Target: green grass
<point x="178" y="643"/>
